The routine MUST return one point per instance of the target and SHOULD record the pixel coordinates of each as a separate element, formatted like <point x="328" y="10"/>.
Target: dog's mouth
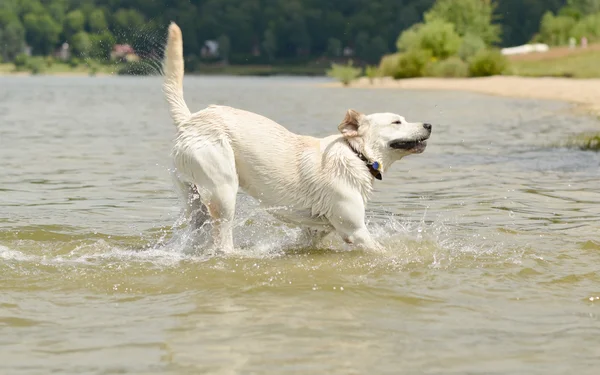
<point x="415" y="145"/>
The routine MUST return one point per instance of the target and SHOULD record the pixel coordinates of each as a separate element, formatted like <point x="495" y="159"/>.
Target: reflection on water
<point x="492" y="241"/>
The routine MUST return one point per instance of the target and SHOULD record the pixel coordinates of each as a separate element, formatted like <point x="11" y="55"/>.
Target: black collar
<point x="373" y="166"/>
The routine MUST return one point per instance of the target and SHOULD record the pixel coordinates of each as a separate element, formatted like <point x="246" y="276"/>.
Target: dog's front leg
<point x="348" y="218"/>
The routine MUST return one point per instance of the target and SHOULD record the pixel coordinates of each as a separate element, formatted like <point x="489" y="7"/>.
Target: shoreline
<point x="584" y="93"/>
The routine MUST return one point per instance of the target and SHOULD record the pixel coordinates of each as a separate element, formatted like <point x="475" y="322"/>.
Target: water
<point x="492" y="238"/>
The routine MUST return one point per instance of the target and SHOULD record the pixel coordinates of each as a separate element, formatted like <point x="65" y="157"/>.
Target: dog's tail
<point x="173" y="83"/>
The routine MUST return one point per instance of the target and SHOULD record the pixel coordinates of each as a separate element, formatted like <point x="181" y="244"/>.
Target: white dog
<point x="320" y="184"/>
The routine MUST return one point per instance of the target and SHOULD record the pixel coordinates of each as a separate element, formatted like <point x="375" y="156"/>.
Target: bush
<point x="412" y="64"/>
<point x="410" y="38"/>
<point x="555" y="30"/>
<point x="468" y="17"/>
<point x="93" y="68"/>
<point x="36" y="65"/>
<point x="585" y="142"/>
<point x="371" y="72"/>
<point x="471" y="44"/>
<point x="389" y="65"/>
<point x="344" y="73"/>
<point x="453" y="67"/>
<point x="135" y="68"/>
<point x="487" y="63"/>
<point x="74" y="62"/>
<point x="437" y="36"/>
<point x="20" y="61"/>
<point x="49" y="61"/>
<point x="588" y="27"/>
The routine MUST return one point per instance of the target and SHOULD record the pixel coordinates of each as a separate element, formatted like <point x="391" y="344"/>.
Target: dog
<point x="322" y="185"/>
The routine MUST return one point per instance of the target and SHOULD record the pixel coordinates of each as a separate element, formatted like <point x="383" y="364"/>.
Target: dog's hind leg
<point x="195" y="212"/>
<point x="210" y="166"/>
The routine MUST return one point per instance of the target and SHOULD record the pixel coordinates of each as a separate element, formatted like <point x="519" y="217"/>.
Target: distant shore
<point x="585" y="93"/>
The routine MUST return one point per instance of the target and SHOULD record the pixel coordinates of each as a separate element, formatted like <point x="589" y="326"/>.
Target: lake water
<point x="492" y="240"/>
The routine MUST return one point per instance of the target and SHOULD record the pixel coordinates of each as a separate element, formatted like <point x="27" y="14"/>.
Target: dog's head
<point x="384" y="136"/>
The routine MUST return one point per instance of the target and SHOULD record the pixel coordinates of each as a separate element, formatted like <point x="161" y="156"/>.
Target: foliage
<point x="588" y="27"/>
<point x="412" y="64"/>
<point x="20" y="61"/>
<point x="12" y="39"/>
<point x="136" y="68"/>
<point x="471" y="44"/>
<point x="371" y="72"/>
<point x="93" y="68"/>
<point x="520" y="20"/>
<point x="555" y="30"/>
<point x="36" y="65"/>
<point x="585" y="142"/>
<point x="344" y="73"/>
<point x="584" y="6"/>
<point x="74" y="22"/>
<point x="468" y="17"/>
<point x="273" y="31"/>
<point x="97" y="21"/>
<point x="487" y="62"/>
<point x="224" y="47"/>
<point x="81" y="43"/>
<point x="453" y="67"/>
<point x="389" y="64"/>
<point x="74" y="62"/>
<point x="570" y="22"/>
<point x="334" y="47"/>
<point x="437" y="37"/>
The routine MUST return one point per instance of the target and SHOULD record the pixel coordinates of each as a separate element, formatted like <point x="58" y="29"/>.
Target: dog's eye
<point x="397" y="122"/>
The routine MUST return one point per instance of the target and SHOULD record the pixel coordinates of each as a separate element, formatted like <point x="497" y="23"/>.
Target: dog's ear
<point x="351" y="123"/>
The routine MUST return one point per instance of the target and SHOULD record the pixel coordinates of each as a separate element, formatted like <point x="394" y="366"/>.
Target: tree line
<point x="248" y="31"/>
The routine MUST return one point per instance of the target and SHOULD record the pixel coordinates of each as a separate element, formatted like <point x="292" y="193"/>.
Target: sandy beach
<point x="585" y="93"/>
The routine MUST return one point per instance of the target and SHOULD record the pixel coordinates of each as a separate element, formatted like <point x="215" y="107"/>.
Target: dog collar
<point x="373" y="166"/>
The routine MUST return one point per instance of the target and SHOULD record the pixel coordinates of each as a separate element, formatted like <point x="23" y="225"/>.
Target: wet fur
<point x="317" y="183"/>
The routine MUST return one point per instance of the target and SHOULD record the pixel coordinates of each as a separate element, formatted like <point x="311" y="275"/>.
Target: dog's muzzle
<point x="418" y="144"/>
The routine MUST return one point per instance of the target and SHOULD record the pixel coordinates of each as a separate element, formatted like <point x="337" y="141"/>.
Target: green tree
<point x="101" y="45"/>
<point x="556" y="30"/>
<point x="97" y="21"/>
<point x="362" y="44"/>
<point x="81" y="43"/>
<point x="74" y="22"/>
<point x="42" y="32"/>
<point x="269" y="43"/>
<point x="334" y="47"/>
<point x="435" y="36"/>
<point x="30" y="6"/>
<point x="585" y="7"/>
<point x="468" y="16"/>
<point x="224" y="48"/>
<point x="127" y="22"/>
<point x="12" y="40"/>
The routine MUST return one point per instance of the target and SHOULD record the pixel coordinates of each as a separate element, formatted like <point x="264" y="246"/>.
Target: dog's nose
<point x="427" y="126"/>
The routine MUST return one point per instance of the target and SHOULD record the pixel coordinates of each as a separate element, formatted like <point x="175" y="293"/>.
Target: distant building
<point x="123" y="52"/>
<point x="210" y="49"/>
<point x="63" y="52"/>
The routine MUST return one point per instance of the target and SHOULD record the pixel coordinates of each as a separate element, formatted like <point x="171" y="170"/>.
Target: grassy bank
<point x="559" y="62"/>
<point x="58" y="68"/>
<point x="235" y="70"/>
<point x="261" y="70"/>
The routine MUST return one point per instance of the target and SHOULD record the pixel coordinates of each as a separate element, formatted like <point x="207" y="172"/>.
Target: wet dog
<point x="321" y="184"/>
